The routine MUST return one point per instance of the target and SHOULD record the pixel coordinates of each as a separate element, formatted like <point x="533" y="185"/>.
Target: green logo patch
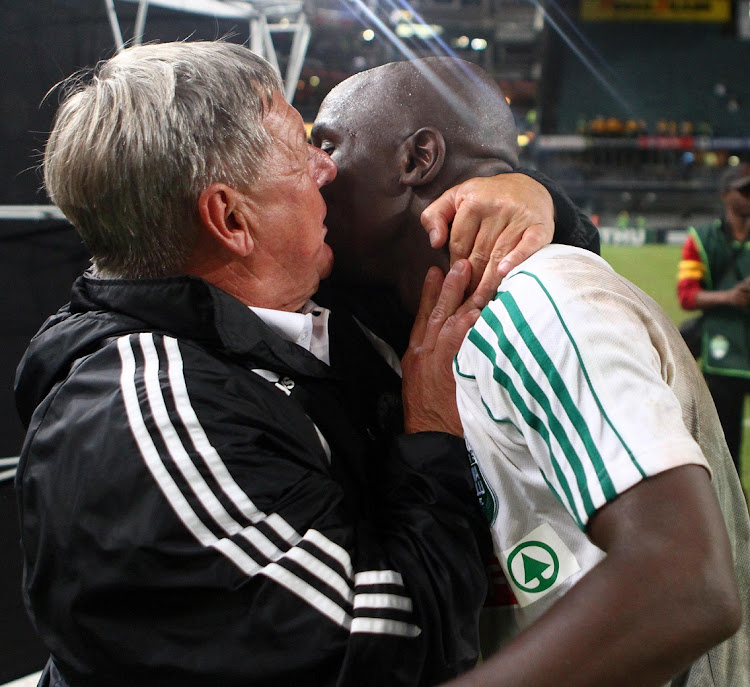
<point x="538" y="566"/>
<point x="718" y="346"/>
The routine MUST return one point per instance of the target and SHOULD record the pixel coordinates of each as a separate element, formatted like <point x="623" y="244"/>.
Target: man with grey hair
<point x="210" y="493"/>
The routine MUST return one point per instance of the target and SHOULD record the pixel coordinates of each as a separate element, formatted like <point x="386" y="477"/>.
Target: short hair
<point x="462" y="100"/>
<point x="134" y="145"/>
<point x="457" y="97"/>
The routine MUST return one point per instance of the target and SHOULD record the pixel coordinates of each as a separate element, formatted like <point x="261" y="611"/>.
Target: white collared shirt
<point x="308" y="327"/>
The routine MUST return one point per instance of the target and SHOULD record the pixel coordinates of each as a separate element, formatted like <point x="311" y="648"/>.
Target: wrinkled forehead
<point x="281" y="111"/>
<point x="284" y="124"/>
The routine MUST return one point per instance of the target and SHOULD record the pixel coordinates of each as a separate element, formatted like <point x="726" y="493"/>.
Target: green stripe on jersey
<point x="499" y="420"/>
<point x="535" y="422"/>
<point x="461" y="374"/>
<point x="594" y="395"/>
<point x="536" y="392"/>
<point x="561" y="391"/>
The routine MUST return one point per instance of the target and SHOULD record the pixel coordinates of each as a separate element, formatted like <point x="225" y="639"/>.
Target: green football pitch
<point x="654" y="269"/>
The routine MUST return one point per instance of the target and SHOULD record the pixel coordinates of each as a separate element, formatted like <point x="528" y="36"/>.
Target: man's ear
<point x="423" y="154"/>
<point x="225" y="218"/>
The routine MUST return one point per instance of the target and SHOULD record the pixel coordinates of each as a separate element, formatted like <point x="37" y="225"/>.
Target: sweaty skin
<point x="392" y="164"/>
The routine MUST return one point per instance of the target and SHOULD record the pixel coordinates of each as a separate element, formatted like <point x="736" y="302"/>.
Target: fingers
<point x="492" y="214"/>
<point x="456" y="328"/>
<point x="451" y="297"/>
<point x="437" y="217"/>
<point x="515" y="244"/>
<point x="429" y="390"/>
<point x="498" y="235"/>
<point x="473" y="231"/>
<point x="428" y="387"/>
<point x="485" y="290"/>
<point x="497" y="223"/>
<point x="533" y="239"/>
<point x="433" y="283"/>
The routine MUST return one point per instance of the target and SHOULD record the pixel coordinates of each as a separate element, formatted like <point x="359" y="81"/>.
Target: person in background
<point x="714" y="276"/>
<point x="616" y="513"/>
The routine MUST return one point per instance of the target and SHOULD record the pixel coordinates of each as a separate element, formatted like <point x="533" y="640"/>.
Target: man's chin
<point x="327" y="267"/>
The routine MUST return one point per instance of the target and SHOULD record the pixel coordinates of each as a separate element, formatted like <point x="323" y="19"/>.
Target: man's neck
<point x="399" y="265"/>
<point x="411" y="266"/>
<point x="376" y="306"/>
<point x="238" y="280"/>
<point x="417" y="257"/>
<point x="482" y="168"/>
<point x="401" y="271"/>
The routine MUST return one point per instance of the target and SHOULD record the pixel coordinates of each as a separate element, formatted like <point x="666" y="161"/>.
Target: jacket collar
<point x="191" y="308"/>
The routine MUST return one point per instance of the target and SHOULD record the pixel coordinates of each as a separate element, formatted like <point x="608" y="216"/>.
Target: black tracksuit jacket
<point x="182" y="523"/>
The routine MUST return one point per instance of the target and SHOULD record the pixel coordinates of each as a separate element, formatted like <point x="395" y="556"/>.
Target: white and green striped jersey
<point x="572" y="387"/>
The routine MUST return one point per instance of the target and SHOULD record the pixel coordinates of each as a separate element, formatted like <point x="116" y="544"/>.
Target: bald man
<point x="376" y="126"/>
<point x="598" y="457"/>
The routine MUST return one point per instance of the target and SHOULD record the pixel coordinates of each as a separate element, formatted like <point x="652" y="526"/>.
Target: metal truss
<point x="264" y="17"/>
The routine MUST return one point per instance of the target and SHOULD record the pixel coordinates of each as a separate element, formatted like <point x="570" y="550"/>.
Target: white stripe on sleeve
<point x="306" y="560"/>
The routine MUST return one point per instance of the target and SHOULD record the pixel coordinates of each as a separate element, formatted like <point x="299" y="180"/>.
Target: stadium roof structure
<point x="264" y="17"/>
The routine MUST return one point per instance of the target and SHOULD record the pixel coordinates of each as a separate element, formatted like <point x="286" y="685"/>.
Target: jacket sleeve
<point x="429" y="525"/>
<point x="690" y="274"/>
<point x="208" y="544"/>
<point x="572" y="226"/>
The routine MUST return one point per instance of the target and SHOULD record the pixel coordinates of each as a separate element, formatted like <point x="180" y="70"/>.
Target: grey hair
<point x="133" y="147"/>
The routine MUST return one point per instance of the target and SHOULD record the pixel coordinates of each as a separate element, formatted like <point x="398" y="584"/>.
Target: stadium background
<point x="634" y="106"/>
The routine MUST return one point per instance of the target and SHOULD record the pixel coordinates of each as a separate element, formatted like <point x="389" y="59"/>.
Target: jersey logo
<point x="487" y="498"/>
<point x="719" y="346"/>
<point x="538" y="564"/>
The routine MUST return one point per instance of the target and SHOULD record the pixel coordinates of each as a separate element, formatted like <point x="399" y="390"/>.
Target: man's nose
<point x="325" y="167"/>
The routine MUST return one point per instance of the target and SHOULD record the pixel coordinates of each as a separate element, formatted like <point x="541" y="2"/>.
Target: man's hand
<point x="429" y="390"/>
<point x="739" y="295"/>
<point x="498" y="222"/>
<point x="736" y="297"/>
